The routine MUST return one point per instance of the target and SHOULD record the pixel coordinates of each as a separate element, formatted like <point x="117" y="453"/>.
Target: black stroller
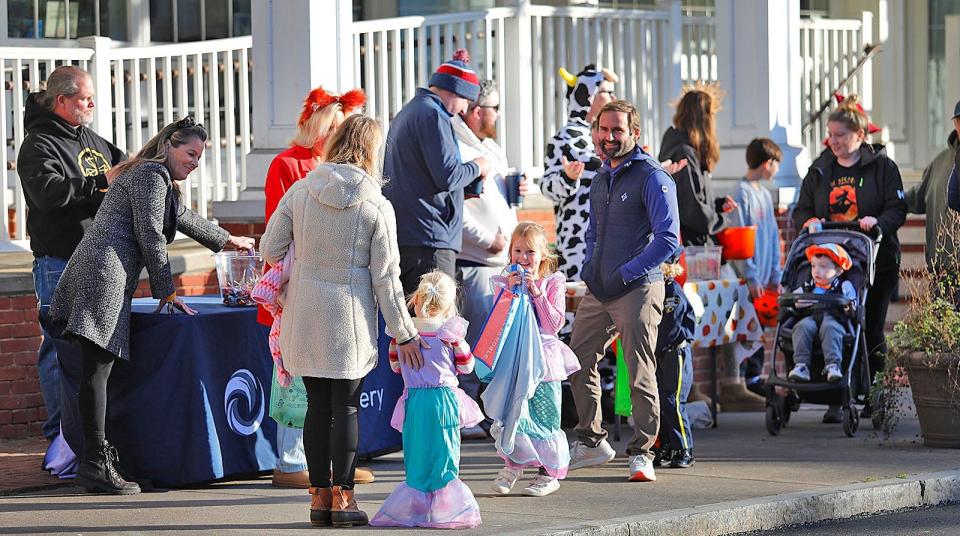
<point x="855" y="386"/>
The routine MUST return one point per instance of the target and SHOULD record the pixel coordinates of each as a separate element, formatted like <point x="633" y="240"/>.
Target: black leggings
<point x="331" y="430"/>
<point x="878" y="301"/>
<point x="97" y="364"/>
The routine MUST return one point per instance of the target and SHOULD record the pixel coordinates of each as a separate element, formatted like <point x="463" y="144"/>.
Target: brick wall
<point x="21" y="405"/>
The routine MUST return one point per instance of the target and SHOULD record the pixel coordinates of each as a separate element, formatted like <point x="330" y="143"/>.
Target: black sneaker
<point x="682" y="459"/>
<point x="662" y="456"/>
<point x="833" y="415"/>
<point x="97" y="474"/>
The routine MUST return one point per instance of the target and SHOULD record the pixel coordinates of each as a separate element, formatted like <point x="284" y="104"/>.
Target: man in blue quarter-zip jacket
<point x="634" y="227"/>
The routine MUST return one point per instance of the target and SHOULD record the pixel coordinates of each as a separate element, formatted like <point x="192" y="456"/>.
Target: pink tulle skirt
<point x="470" y="414"/>
<point x="552" y="454"/>
<point x="559" y="359"/>
<point x="451" y="507"/>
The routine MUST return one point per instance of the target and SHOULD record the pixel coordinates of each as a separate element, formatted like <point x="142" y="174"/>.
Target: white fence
<point x="830" y="49"/>
<point x="651" y="51"/>
<point x="139" y="90"/>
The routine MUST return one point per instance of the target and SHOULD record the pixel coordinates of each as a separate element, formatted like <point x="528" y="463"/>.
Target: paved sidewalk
<point x="20" y="461"/>
<point x="742" y="475"/>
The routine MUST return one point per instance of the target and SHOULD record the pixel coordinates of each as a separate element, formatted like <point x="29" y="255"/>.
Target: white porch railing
<point x="139" y="90"/>
<point x="699" y="49"/>
<point x="635" y="44"/>
<point x="652" y="51"/>
<point x="830" y="49"/>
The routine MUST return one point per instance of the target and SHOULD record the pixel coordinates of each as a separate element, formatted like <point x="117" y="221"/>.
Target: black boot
<point x="97" y="473"/>
<point x="682" y="459"/>
<point x="145" y="483"/>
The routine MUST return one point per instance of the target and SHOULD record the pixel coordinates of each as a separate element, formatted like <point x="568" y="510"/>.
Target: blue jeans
<point x="831" y="333"/>
<point x="46" y="276"/>
<point x="290" y="455"/>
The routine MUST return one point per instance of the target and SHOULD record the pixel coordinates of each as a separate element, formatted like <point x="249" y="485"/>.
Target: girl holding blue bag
<point x="538" y="440"/>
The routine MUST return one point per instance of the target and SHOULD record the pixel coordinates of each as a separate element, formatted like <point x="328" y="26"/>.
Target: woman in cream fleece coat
<point x="346" y="266"/>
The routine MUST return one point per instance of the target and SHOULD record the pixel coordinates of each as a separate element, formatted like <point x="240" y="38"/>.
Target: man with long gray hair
<point x="65" y="169"/>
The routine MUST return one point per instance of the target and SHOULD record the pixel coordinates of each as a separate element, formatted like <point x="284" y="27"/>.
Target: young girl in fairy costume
<point x="430" y="414"/>
<point x="539" y="441"/>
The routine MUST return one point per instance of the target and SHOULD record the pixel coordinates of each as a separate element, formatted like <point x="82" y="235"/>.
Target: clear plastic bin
<point x="703" y="262"/>
<point x="237" y="274"/>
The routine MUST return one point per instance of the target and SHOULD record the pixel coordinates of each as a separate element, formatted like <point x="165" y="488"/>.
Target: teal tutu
<point x="431" y="438"/>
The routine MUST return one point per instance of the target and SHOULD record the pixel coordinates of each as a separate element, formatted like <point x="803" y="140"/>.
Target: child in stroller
<point x="827" y="264"/>
<point x="784" y="395"/>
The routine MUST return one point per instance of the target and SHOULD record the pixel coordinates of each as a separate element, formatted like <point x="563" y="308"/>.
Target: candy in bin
<point x="237" y="274"/>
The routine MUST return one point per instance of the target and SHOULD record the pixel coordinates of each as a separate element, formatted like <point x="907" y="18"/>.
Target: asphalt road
<point x="937" y="521"/>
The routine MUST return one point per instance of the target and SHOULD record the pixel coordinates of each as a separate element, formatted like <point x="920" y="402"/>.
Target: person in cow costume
<point x="571" y="162"/>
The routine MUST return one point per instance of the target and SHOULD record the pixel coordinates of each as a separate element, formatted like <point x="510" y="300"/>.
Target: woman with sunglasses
<point x="140" y="214"/>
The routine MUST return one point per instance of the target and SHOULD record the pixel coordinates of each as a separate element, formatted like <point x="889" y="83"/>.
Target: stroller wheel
<point x="788" y="406"/>
<point x="851" y="420"/>
<point x="774" y="418"/>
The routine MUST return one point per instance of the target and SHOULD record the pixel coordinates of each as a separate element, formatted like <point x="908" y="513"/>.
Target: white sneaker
<point x="800" y="373"/>
<point x="583" y="456"/>
<point x="833" y="372"/>
<point x="506" y="479"/>
<point x="541" y="486"/>
<point x="641" y="469"/>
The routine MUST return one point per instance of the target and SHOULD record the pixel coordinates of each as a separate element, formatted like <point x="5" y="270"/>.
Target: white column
<point x="951" y="68"/>
<point x="758" y="46"/>
<point x="102" y="89"/>
<point x="297" y="46"/>
<point x="672" y="79"/>
<point x="518" y="88"/>
<point x="138" y="22"/>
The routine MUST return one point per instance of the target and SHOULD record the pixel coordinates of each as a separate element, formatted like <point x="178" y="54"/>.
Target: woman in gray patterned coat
<point x="141" y="213"/>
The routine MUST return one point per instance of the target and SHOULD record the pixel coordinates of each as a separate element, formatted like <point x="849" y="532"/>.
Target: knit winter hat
<point x="457" y="76"/>
<point x="835" y="251"/>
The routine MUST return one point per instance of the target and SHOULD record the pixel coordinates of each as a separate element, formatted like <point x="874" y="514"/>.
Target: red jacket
<point x="287" y="168"/>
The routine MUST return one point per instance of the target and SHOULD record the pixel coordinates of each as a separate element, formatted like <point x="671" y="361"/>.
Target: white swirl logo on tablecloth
<point x="243" y="402"/>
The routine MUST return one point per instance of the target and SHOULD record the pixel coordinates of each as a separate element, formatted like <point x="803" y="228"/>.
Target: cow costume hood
<point x="582" y="87"/>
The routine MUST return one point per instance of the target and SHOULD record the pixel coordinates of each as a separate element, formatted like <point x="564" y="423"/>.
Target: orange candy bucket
<point x="738" y="242"/>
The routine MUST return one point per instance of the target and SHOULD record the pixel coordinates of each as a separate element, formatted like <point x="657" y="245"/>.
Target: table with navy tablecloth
<point x="191" y="404"/>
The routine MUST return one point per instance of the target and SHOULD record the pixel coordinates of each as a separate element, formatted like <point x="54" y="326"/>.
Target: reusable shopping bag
<point x="288" y="405"/>
<point x="622" y="405"/>
<point x="519" y="369"/>
<point x="489" y="343"/>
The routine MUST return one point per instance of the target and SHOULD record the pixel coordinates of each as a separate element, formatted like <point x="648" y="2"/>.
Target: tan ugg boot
<point x="345" y="512"/>
<point x="321" y="504"/>
<point x="734" y="396"/>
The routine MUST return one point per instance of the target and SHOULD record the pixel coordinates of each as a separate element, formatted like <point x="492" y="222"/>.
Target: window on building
<point x="936" y="57"/>
<point x="66" y="19"/>
<point x="180" y="21"/>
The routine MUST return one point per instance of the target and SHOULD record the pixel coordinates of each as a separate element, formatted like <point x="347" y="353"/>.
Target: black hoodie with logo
<point x="874" y="189"/>
<point x="61" y="168"/>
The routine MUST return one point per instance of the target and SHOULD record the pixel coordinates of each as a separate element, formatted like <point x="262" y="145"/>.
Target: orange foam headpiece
<point x="319" y="98"/>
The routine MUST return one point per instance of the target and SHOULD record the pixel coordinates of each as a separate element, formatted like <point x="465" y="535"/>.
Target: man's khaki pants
<point x="636" y="316"/>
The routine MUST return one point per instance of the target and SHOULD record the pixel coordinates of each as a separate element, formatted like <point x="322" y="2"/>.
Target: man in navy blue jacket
<point x="634" y="227"/>
<point x="425" y="175"/>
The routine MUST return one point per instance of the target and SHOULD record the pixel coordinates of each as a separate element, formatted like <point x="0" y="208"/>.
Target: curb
<point x="778" y="511"/>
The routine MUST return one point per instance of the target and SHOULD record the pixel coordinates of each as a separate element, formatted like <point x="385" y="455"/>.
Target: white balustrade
<point x="830" y="49"/>
<point x="394" y="56"/>
<point x="151" y="86"/>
